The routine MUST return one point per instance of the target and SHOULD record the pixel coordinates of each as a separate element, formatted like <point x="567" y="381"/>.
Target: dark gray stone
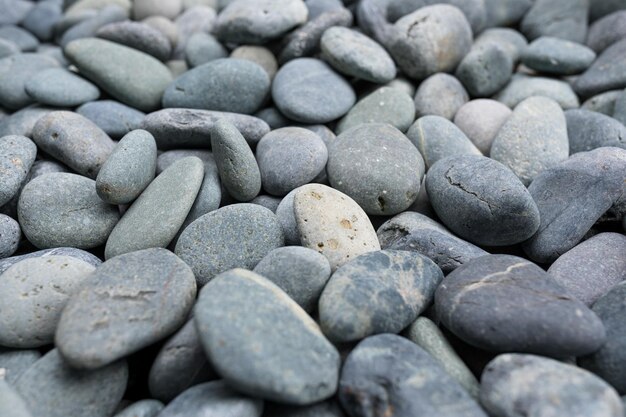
<point x="17" y="154"/>
<point x="485" y="70"/>
<point x="606" y="73"/>
<point x="138" y="36"/>
<point x="15" y="71"/>
<point x="440" y="95"/>
<point x="41" y="19"/>
<point x="73" y="252"/>
<point x="291" y="363"/>
<point x="143" y="408"/>
<point x="202" y="48"/>
<point x="523" y="86"/>
<point x="16" y="361"/>
<point x="519" y="308"/>
<point x="588" y="130"/>
<point x="61" y="88"/>
<point x="388" y="374"/>
<point x="114" y="118"/>
<point x="287" y="219"/>
<point x="513" y="42"/>
<point x="557" y="56"/>
<point x="20" y="37"/>
<point x="481" y="121"/>
<point x="565" y="19"/>
<point x="606" y="31"/>
<point x="11" y="403"/>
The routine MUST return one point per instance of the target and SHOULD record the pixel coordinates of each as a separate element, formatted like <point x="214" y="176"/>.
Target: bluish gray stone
<point x="557" y="56"/>
<point x="61" y="88"/>
<point x="601" y="8"/>
<point x="87" y="27"/>
<point x="20" y="37"/>
<point x="268" y="201"/>
<point x="15" y="361"/>
<point x="8" y="48"/>
<point x="73" y="252"/>
<point x="619" y="112"/>
<point x="602" y="103"/>
<point x="440" y="95"/>
<point x="606" y="31"/>
<point x="114" y="118"/>
<point x="41" y="19"/>
<point x="474" y="10"/>
<point x="523" y="86"/>
<point x="564" y="19"/>
<point x="14" y="11"/>
<point x="485" y="69"/>
<point x="605" y="73"/>
<point x="138" y="36"/>
<point x="145" y="8"/>
<point x="291" y="363"/>
<point x="513" y="42"/>
<point x="287" y="219"/>
<point x="11" y="403"/>
<point x="22" y="121"/>
<point x="506" y="12"/>
<point x="273" y="117"/>
<point x="167" y="158"/>
<point x="193" y="20"/>
<point x="17" y="154"/>
<point x="15" y="71"/>
<point x="202" y="48"/>
<point x="589" y="130"/>
<point x="317" y="7"/>
<point x="143" y="408"/>
<point x="481" y="121"/>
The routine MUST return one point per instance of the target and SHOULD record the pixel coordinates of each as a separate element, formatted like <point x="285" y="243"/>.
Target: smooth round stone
<point x="114" y="118"/>
<point x="8" y="48"/>
<point x="606" y="31"/>
<point x="333" y="224"/>
<point x="290" y="157"/>
<point x="11" y="403"/>
<point x="328" y="408"/>
<point x="522" y="87"/>
<point x="436" y="138"/>
<point x="202" y="48"/>
<point x="481" y="200"/>
<point x="235" y="236"/>
<point x="440" y="95"/>
<point x="72" y="252"/>
<point x="523" y="295"/>
<point x="143" y="408"/>
<point x="259" y="55"/>
<point x="388" y="373"/>
<point x="129" y="169"/>
<point x="20" y="37"/>
<point x="416" y="232"/>
<point x="377" y="166"/>
<point x="602" y="103"/>
<point x="166" y="8"/>
<point x="33" y="294"/>
<point x="474" y="10"/>
<point x="385" y="105"/>
<point x="485" y="70"/>
<point x="181" y="363"/>
<point x="557" y="56"/>
<point x="396" y="286"/>
<point x="259" y="21"/>
<point x="15" y="71"/>
<point x="135" y="300"/>
<point x="354" y="54"/>
<point x="133" y="77"/>
<point x="481" y="121"/>
<point x="589" y="130"/>
<point x="432" y="39"/>
<point x="533" y="139"/>
<point x="15" y="361"/>
<point x="606" y="72"/>
<point x="61" y="88"/>
<point x="17" y="154"/>
<point x="190" y="128"/>
<point x="300" y="272"/>
<point x="307" y="90"/>
<point x="213" y="399"/>
<point x="228" y="84"/>
<point x="517" y="384"/>
<point x="268" y="201"/>
<point x="62" y="209"/>
<point x="235" y="317"/>
<point x="138" y="36"/>
<point x="564" y="19"/>
<point x="54" y="389"/>
<point x="158" y="213"/>
<point x="511" y="40"/>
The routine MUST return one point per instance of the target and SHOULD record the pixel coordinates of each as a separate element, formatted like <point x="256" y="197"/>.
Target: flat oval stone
<point x="588" y="130"/>
<point x="62" y="209"/>
<point x="72" y="252"/>
<point x="25" y="40"/>
<point x="236" y="313"/>
<point x="15" y="361"/>
<point x="564" y="19"/>
<point x="129" y="169"/>
<point x="193" y="20"/>
<point x="523" y="86"/>
<point x="55" y="389"/>
<point x="73" y="140"/>
<point x="290" y="157"/>
<point x="202" y="48"/>
<point x="131" y="76"/>
<point x="481" y="121"/>
<point x="234" y="236"/>
<point x="33" y="293"/>
<point x="605" y="73"/>
<point x="377" y="166"/>
<point x="11" y="403"/>
<point x="143" y="408"/>
<point x="377" y="292"/>
<point x="114" y="118"/>
<point x="517" y="384"/>
<point x="134" y="300"/>
<point x="356" y="55"/>
<point x="226" y="84"/>
<point x="485" y="69"/>
<point x="533" y="139"/>
<point x="534" y="313"/>
<point x="440" y="95"/>
<point x="17" y="154"/>
<point x="606" y="31"/>
<point x="61" y="88"/>
<point x="481" y="200"/>
<point x="15" y="71"/>
<point x="307" y="90"/>
<point x="557" y="56"/>
<point x="389" y="374"/>
<point x="138" y="36"/>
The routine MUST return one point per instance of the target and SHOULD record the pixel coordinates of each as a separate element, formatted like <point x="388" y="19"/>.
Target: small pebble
<point x="511" y="40"/>
<point x="605" y="73"/>
<point x="202" y="48"/>
<point x="114" y="118"/>
<point x="259" y="55"/>
<point x="523" y="86"/>
<point x="485" y="70"/>
<point x="564" y="19"/>
<point x="15" y="71"/>
<point x="557" y="56"/>
<point x="588" y="130"/>
<point x="143" y="408"/>
<point x="24" y="40"/>
<point x="138" y="36"/>
<point x="440" y="95"/>
<point x="17" y="154"/>
<point x="481" y="120"/>
<point x="61" y="88"/>
<point x="606" y="31"/>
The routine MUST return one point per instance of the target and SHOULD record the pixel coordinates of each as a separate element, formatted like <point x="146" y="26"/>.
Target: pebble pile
<point x="312" y="208"/>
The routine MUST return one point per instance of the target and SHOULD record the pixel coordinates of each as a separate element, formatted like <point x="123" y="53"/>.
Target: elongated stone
<point x="17" y="154"/>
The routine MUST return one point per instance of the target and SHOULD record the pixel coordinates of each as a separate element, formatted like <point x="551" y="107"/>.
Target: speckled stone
<point x="523" y="294"/>
<point x="72" y="252"/>
<point x="138" y="36"/>
<point x="114" y="118"/>
<point x="485" y="70"/>
<point x="15" y="361"/>
<point x="259" y="55"/>
<point x="129" y="169"/>
<point x="440" y="95"/>
<point x="61" y="88"/>
<point x="333" y="224"/>
<point x="606" y="72"/>
<point x="158" y="213"/>
<point x="73" y="140"/>
<point x="533" y="139"/>
<point x="516" y="384"/>
<point x="481" y="121"/>
<point x="481" y="200"/>
<point x="564" y="19"/>
<point x="62" y="209"/>
<point x="389" y="374"/>
<point x="15" y="71"/>
<point x="202" y="48"/>
<point x="235" y="316"/>
<point x="11" y="403"/>
<point x="436" y="138"/>
<point x="606" y="31"/>
<point x="589" y="130"/>
<point x="143" y="408"/>
<point x="557" y="56"/>
<point x="17" y="154"/>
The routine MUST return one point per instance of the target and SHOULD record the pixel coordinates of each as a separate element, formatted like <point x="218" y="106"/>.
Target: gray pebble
<point x="506" y="12"/>
<point x="606" y="72"/>
<point x="523" y="86"/>
<point x="87" y="28"/>
<point x="167" y="158"/>
<point x="268" y="201"/>
<point x="602" y="103"/>
<point x="61" y="88"/>
<point x="513" y="42"/>
<point x="15" y="71"/>
<point x="145" y="8"/>
<point x="11" y="403"/>
<point x="557" y="56"/>
<point x="287" y="219"/>
<point x="114" y="118"/>
<point x="22" y="121"/>
<point x="485" y="70"/>
<point x="236" y="315"/>
<point x="15" y="361"/>
<point x="440" y="95"/>
<point x="273" y="117"/>
<point x="72" y="252"/>
<point x="14" y="11"/>
<point x="20" y="37"/>
<point x="143" y="408"/>
<point x="8" y="48"/>
<point x="42" y="18"/>
<point x="17" y="154"/>
<point x="259" y="55"/>
<point x="317" y="7"/>
<point x="606" y="31"/>
<point x="589" y="130"/>
<point x="165" y="26"/>
<point x="565" y="19"/>
<point x="202" y="48"/>
<point x="138" y="36"/>
<point x="481" y="121"/>
<point x="193" y="20"/>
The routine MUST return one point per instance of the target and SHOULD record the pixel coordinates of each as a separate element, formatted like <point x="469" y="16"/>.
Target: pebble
<point x="593" y="267"/>
<point x="268" y="201"/>
<point x="601" y="8"/>
<point x="61" y="88"/>
<point x="388" y="374"/>
<point x="135" y="300"/>
<point x="259" y="55"/>
<point x="202" y="48"/>
<point x="605" y="73"/>
<point x="328" y="408"/>
<point x="80" y="6"/>
<point x="606" y="31"/>
<point x="619" y="112"/>
<point x="11" y="404"/>
<point x="72" y="252"/>
<point x="481" y="120"/>
<point x="8" y="48"/>
<point x="15" y="71"/>
<point x="436" y="138"/>
<point x="533" y="139"/>
<point x="114" y="118"/>
<point x="588" y="130"/>
<point x="42" y="18"/>
<point x="506" y="12"/>
<point x="143" y="408"/>
<point x="54" y="389"/>
<point x="17" y="154"/>
<point x="74" y="140"/>
<point x="14" y="11"/>
<point x="513" y="42"/>
<point x="557" y="56"/>
<point x="523" y="86"/>
<point x="440" y="95"/>
<point x="602" y="103"/>
<point x="522" y="294"/>
<point x="158" y="213"/>
<point x="146" y="8"/>
<point x="356" y="55"/>
<point x="62" y="209"/>
<point x="333" y="224"/>
<point x="235" y="236"/>
<point x="15" y="361"/>
<point x="138" y="36"/>
<point x="395" y="285"/>
<point x="129" y="169"/>
<point x="517" y="384"/>
<point x="165" y="26"/>
<point x="377" y="166"/>
<point x="317" y="7"/>
<point x="24" y="40"/>
<point x="290" y="157"/>
<point x="481" y="200"/>
<point x="227" y="84"/>
<point x="193" y="20"/>
<point x="485" y="70"/>
<point x="307" y="90"/>
<point x="86" y="28"/>
<point x="287" y="219"/>
<point x="133" y="77"/>
<point x="564" y="19"/>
